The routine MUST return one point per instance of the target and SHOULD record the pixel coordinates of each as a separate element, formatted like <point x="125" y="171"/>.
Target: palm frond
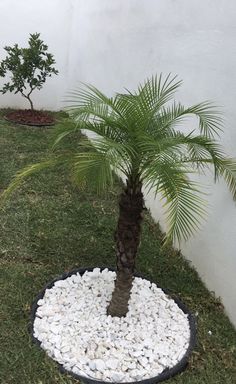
<point x="63" y="132"/>
<point x="24" y="174"/>
<point x="185" y="211"/>
<point x="164" y="123"/>
<point x="100" y="129"/>
<point x="184" y="207"/>
<point x="153" y="95"/>
<point x="92" y="169"/>
<point x="156" y="91"/>
<point x="90" y="104"/>
<point x="90" y="95"/>
<point x="227" y="169"/>
<point x="99" y="159"/>
<point x="210" y="118"/>
<point x="185" y="148"/>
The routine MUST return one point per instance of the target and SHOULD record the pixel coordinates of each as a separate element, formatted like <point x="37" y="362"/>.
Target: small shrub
<point x="28" y="67"/>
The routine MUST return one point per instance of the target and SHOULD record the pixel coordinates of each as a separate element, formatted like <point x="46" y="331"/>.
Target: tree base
<point x="111" y="348"/>
<point x="118" y="306"/>
<point x="30" y="117"/>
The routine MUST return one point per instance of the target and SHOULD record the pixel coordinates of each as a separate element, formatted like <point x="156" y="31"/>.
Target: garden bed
<point x="150" y="344"/>
<point x="30" y="117"/>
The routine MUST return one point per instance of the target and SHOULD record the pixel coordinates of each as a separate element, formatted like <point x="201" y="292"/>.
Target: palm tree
<point x="136" y="134"/>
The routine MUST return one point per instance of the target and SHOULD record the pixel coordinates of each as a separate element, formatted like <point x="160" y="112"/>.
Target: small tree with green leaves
<point x="28" y="68"/>
<point x="137" y="135"/>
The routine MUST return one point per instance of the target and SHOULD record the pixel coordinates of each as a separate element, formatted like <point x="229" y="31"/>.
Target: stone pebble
<point x="72" y="325"/>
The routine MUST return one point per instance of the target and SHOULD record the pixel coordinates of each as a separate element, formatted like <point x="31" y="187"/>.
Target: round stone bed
<point x="30" y="117"/>
<point x="151" y="344"/>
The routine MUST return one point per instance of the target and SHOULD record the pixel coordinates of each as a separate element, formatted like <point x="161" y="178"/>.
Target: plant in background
<point x="28" y="67"/>
<point x="136" y="134"/>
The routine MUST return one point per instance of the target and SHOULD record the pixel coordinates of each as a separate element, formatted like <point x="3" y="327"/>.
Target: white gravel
<point x="72" y="326"/>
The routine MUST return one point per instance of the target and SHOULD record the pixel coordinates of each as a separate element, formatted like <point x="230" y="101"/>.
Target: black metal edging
<point x="165" y="375"/>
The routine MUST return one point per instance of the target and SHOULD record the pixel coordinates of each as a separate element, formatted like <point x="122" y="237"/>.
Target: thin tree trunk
<point x="31" y="103"/>
<point x="127" y="238"/>
<point x="29" y="99"/>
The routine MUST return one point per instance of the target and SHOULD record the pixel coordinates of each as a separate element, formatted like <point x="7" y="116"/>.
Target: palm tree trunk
<point x="127" y="238"/>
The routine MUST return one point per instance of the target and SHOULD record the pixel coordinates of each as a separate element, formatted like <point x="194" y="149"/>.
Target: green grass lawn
<point x="50" y="226"/>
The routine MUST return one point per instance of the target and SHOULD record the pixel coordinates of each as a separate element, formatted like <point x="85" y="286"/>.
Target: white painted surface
<point x="116" y="44"/>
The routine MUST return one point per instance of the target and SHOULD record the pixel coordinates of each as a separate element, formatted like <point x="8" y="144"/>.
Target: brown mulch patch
<point x="30" y="117"/>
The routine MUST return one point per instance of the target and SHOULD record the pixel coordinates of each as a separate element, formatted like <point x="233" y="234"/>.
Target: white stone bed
<point x="72" y="325"/>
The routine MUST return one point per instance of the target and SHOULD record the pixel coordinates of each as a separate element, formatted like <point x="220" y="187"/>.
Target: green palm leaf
<point x="138" y="134"/>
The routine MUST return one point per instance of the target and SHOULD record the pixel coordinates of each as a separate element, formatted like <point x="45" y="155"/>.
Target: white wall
<point x="116" y="44"/>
